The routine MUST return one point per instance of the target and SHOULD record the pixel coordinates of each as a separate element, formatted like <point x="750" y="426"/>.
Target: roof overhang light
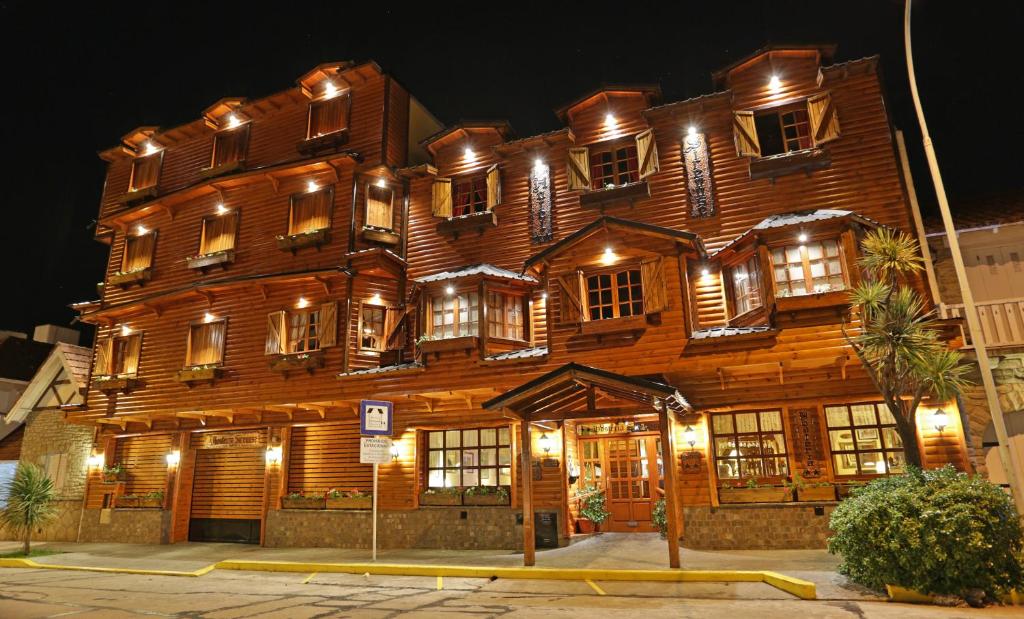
<point x="382" y="183"/>
<point x="141" y="230"/>
<point x="233" y="121"/>
<point x="330" y="90"/>
<point x="802" y="238"/>
<point x="221" y="209"/>
<point x="774" y="83"/>
<point x="311" y="186"/>
<point x="449" y="290"/>
<point x="469" y="154"/>
<point x="302" y="303"/>
<point x="609" y="120"/>
<point x="150" y="148"/>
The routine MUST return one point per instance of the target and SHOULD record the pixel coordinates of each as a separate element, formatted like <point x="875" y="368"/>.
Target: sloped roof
<point x="522" y="353"/>
<point x="415" y="365"/>
<point x="719" y="332"/>
<point x="981" y="212"/>
<point x="795" y="219"/>
<point x="75" y="360"/>
<point x="477" y="269"/>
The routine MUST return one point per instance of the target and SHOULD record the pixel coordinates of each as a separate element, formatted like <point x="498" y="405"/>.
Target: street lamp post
<point x="977" y="335"/>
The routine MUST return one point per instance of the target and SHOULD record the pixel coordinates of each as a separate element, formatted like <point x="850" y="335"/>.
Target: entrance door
<point x="227" y="496"/>
<point x="634" y="472"/>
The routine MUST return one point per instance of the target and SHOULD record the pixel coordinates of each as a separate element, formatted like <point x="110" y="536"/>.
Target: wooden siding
<point x="326" y="457"/>
<point x="144" y="459"/>
<point x="228" y="483"/>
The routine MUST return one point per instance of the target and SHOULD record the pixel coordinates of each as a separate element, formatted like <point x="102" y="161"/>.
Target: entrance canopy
<point x="573" y="391"/>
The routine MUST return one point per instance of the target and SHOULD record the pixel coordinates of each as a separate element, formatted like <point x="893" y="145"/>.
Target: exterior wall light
<point x="705" y="272"/>
<point x="449" y="290"/>
<point x="544" y="296"/>
<point x="609" y="256"/>
<point x="151" y="148"/>
<point x="544" y="442"/>
<point x="173" y="458"/>
<point x="274" y="455"/>
<point x="126" y="330"/>
<point x="940" y="420"/>
<point x="690" y="436"/>
<point x="382" y="183"/>
<point x="221" y="209"/>
<point x="311" y="186"/>
<point x="375" y="299"/>
<point x="394" y="452"/>
<point x="208" y="317"/>
<point x="802" y="238"/>
<point x="774" y="83"/>
<point x="609" y="120"/>
<point x="302" y="303"/>
<point x="233" y="121"/>
<point x="330" y="90"/>
<point x="95" y="461"/>
<point x="141" y="230"/>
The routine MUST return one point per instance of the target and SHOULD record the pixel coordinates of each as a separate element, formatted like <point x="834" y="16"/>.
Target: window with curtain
<point x="371" y="327"/>
<point x="469" y="195"/>
<point x="470" y="457"/>
<point x="303" y="330"/>
<point x="749" y="444"/>
<point x="455" y="315"/>
<point x="863" y="439"/>
<point x="379" y="202"/>
<point x="328" y="116"/>
<point x="310" y="211"/>
<point x="206" y="343"/>
<point x="614" y="164"/>
<point x="808" y="268"/>
<point x="138" y="253"/>
<point x="218" y="233"/>
<point x="615" y="294"/>
<point x="145" y="171"/>
<point x="504" y="315"/>
<point x="230" y="145"/>
<point x="746" y="286"/>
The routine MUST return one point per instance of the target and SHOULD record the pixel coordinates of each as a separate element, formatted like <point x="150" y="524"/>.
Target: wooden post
<point x="668" y="458"/>
<point x="529" y="544"/>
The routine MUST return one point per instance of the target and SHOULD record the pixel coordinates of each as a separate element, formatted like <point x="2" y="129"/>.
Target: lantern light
<point x="774" y="83"/>
<point x="690" y="436"/>
<point x="311" y="186"/>
<point x="940" y="420"/>
<point x="95" y="461"/>
<point x="803" y="237"/>
<point x="302" y="302"/>
<point x="273" y="455"/>
<point x="173" y="458"/>
<point x="544" y="442"/>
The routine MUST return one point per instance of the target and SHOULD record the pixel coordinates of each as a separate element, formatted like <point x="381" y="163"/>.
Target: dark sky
<point x="77" y="77"/>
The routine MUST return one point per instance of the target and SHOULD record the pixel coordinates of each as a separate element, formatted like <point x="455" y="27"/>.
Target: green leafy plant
<point x="593" y="508"/>
<point x="752" y="483"/>
<point x="451" y="491"/>
<point x="898" y="339"/>
<point x="659" y="518"/>
<point x="487" y="491"/>
<point x="939" y="532"/>
<point x="156" y="495"/>
<point x="30" y="503"/>
<point x="113" y="470"/>
<point x="354" y="493"/>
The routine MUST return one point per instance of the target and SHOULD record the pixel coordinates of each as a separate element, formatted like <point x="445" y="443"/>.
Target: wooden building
<point x="647" y="301"/>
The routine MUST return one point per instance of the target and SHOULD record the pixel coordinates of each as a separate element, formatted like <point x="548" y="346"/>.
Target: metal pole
<point x="375" y="511"/>
<point x="973" y="324"/>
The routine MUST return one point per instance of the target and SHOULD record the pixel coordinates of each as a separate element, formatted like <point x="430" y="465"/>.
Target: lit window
<point x="327" y="116"/>
<point x="138" y="253"/>
<point x="229" y="146"/>
<point x="371" y="327"/>
<point x="310" y="211"/>
<point x="206" y="343"/>
<point x="783" y="130"/>
<point x="145" y="171"/>
<point x="119" y="355"/>
<point x="378" y="207"/>
<point x="470" y="195"/>
<point x="808" y="269"/>
<point x="455" y="315"/>
<point x="749" y="444"/>
<point x="615" y="294"/>
<point x="303" y="330"/>
<point x="864" y="440"/>
<point x="504" y="316"/>
<point x="745" y="286"/>
<point x="218" y="233"/>
<point x="477" y="457"/>
<point x="613" y="164"/>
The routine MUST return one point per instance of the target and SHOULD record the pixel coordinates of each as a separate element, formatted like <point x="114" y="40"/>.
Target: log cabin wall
<point x="145" y="463"/>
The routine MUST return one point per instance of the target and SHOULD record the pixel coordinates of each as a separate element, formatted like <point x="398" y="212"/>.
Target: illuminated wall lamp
<point x="774" y="83"/>
<point x="940" y="420"/>
<point x="449" y="290"/>
<point x="302" y="303"/>
<point x="221" y="209"/>
<point x="544" y="442"/>
<point x="690" y="436"/>
<point x="274" y="455"/>
<point x="95" y="461"/>
<point x="311" y="186"/>
<point x="802" y="238"/>
<point x="609" y="120"/>
<point x="382" y="183"/>
<point x="394" y="452"/>
<point x="173" y="458"/>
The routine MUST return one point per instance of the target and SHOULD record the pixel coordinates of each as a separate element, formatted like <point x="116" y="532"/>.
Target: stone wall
<point x="46" y="432"/>
<point x="756" y="527"/>
<point x="63" y="528"/>
<point x="454" y="528"/>
<point x="132" y="526"/>
<point x="1008" y="373"/>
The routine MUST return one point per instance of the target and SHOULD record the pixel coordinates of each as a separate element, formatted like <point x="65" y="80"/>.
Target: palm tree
<point x="898" y="341"/>
<point x="30" y="502"/>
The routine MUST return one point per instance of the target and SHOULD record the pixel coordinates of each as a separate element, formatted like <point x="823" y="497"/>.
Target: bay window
<point x="746" y="286"/>
<point x="469" y="457"/>
<point x="504" y="316"/>
<point x="749" y="444"/>
<point x="863" y="439"/>
<point x="809" y="268"/>
<point x="455" y="315"/>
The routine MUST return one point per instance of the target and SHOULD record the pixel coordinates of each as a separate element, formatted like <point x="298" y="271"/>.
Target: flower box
<point x="769" y="494"/>
<point x="379" y="235"/>
<point x="474" y="222"/>
<point x="295" y="242"/>
<point x="131" y="277"/>
<point x="350" y="502"/>
<point x="205" y="261"/>
<point x="128" y="502"/>
<point x="602" y="197"/>
<point x="845" y="490"/>
<point x="806" y="160"/>
<point x="441" y="498"/>
<point x="303" y="502"/>
<point x="137" y="195"/>
<point x="110" y="384"/>
<point x="197" y="375"/>
<point x="224" y="168"/>
<point x="301" y="361"/>
<point x="151" y="502"/>
<point x="467" y="343"/>
<point x="325" y="142"/>
<point x="816" y="493"/>
<point x="485" y="499"/>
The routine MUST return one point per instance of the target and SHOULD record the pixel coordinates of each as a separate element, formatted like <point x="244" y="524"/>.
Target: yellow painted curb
<point x="29" y="563"/>
<point x="800" y="588"/>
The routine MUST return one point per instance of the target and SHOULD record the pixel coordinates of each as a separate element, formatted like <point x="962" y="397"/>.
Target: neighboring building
<point x="546" y="313"/>
<point x="991" y="235"/>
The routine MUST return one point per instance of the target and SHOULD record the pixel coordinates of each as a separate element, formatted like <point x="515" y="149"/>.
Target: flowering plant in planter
<point x="441" y="496"/>
<point x="486" y="495"/>
<point x="152" y="499"/>
<point x="299" y="500"/>
<point x="113" y="472"/>
<point x="592" y="510"/>
<point x="352" y="499"/>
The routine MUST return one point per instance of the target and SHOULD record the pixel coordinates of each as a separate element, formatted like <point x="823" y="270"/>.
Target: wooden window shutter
<point x="647" y="151"/>
<point x="392" y="322"/>
<point x="275" y="333"/>
<point x="328" y="325"/>
<point x="821" y="113"/>
<point x="493" y="186"/>
<point x="441" y="205"/>
<point x="579" y="168"/>
<point x="570" y="307"/>
<point x="744" y="132"/>
<point x="131" y="354"/>
<point x="103" y="348"/>
<point x="652" y="275"/>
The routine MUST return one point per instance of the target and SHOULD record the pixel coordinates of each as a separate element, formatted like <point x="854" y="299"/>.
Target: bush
<point x="593" y="508"/>
<point x="659" y="519"/>
<point x="940" y="532"/>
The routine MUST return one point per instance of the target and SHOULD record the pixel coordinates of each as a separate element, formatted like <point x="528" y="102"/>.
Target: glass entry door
<point x="630" y="470"/>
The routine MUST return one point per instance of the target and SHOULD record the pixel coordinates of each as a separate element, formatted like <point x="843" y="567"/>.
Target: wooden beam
<point x="529" y="543"/>
<point x="675" y="528"/>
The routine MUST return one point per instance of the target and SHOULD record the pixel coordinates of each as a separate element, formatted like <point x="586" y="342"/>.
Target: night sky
<point x="76" y="79"/>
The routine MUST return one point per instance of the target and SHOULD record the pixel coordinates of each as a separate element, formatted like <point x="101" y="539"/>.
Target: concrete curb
<point x="30" y="564"/>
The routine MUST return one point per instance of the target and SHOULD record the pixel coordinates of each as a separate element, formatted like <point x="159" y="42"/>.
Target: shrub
<point x="30" y="503"/>
<point x="593" y="508"/>
<point x="659" y="519"/>
<point x="940" y="532"/>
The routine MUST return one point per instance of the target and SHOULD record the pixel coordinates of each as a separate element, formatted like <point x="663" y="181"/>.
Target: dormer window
<point x="615" y="294"/>
<point x="614" y="164"/>
<point x="229" y="146"/>
<point x="469" y="195"/>
<point x="783" y="130"/>
<point x="455" y="315"/>
<point x="145" y="171"/>
<point x="808" y="268"/>
<point x="327" y="116"/>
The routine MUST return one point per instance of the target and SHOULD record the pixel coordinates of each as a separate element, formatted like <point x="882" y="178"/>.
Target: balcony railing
<point x="1002" y="321"/>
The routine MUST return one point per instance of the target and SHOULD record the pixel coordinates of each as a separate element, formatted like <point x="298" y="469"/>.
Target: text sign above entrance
<point x="374" y="450"/>
<point x="375" y="417"/>
<point x="224" y="440"/>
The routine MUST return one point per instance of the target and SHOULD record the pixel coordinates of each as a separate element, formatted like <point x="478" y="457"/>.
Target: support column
<point x="668" y="458"/>
<point x="529" y="543"/>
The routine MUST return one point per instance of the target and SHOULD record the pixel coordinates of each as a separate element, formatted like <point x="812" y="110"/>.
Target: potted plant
<point x="113" y="473"/>
<point x="592" y="511"/>
<point x="299" y="500"/>
<point x="812" y="491"/>
<point x="753" y="492"/>
<point x="441" y="496"/>
<point x="127" y="501"/>
<point x="152" y="499"/>
<point x="353" y="499"/>
<point x="485" y="495"/>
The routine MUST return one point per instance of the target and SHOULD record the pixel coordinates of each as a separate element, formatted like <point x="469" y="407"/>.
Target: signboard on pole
<point x="375" y="417"/>
<point x="374" y="450"/>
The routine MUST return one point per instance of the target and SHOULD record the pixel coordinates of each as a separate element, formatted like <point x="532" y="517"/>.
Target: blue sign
<point x="375" y="417"/>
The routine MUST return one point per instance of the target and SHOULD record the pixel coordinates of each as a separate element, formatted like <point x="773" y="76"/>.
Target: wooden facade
<point x="445" y="269"/>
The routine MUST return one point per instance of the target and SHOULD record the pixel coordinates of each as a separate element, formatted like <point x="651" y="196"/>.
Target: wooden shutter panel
<point x="570" y="310"/>
<point x="328" y="325"/>
<point x="131" y="354"/>
<point x="102" y="367"/>
<point x="744" y="132"/>
<point x="493" y="186"/>
<point x="821" y="113"/>
<point x="579" y="168"/>
<point x="647" y="151"/>
<point x="652" y="275"/>
<point x="392" y="322"/>
<point x="275" y="333"/>
<point x="441" y="205"/>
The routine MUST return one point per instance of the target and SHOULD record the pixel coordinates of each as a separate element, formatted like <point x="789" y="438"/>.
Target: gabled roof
<point x="608" y="222"/>
<point x="652" y="92"/>
<point x="487" y="270"/>
<point x="465" y="129"/>
<point x="796" y="219"/>
<point x="825" y="52"/>
<point x="74" y="360"/>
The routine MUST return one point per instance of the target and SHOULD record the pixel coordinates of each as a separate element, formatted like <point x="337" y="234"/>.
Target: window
<point x="455" y="315"/>
<point x="746" y="286"/>
<point x="749" y="444"/>
<point x="327" y="116"/>
<point x="371" y="327"/>
<point x="379" y="202"/>
<point x="783" y="130"/>
<point x="311" y="211"/>
<point x="229" y="146"/>
<point x="138" y="253"/>
<point x="119" y="356"/>
<point x="477" y="457"/>
<point x="863" y="439"/>
<point x="808" y="269"/>
<point x="206" y="343"/>
<point x="55" y="466"/>
<point x="613" y="164"/>
<point x="615" y="294"/>
<point x="303" y="331"/>
<point x="218" y="233"/>
<point x="145" y="172"/>
<point x="470" y="195"/>
<point x="504" y="316"/>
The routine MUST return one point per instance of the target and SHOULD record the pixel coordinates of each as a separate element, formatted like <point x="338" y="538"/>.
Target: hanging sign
<point x="375" y="417"/>
<point x="698" y="176"/>
<point x="374" y="450"/>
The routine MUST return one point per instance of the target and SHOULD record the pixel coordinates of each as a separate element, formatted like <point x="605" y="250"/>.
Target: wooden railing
<point x="1002" y="321"/>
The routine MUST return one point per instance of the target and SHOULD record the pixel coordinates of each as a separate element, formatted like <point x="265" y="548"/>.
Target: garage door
<point x="227" y="495"/>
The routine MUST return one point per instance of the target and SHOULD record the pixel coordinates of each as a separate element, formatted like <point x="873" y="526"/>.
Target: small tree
<point x="29" y="502"/>
<point x="898" y="342"/>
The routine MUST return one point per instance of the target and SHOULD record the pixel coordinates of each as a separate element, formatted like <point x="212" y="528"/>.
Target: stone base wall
<point x="64" y="528"/>
<point x="1008" y="373"/>
<point x="132" y="526"/>
<point x="756" y="527"/>
<point x="454" y="528"/>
